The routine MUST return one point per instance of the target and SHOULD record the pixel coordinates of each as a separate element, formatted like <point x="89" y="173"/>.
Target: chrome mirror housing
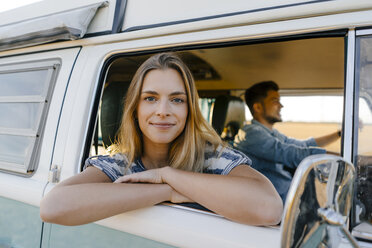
<point x="318" y="203"/>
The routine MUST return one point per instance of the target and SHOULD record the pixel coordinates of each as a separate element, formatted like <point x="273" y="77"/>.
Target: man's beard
<point x="272" y="119"/>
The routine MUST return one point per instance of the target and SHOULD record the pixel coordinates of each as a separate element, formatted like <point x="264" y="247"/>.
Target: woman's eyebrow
<point x="150" y="92"/>
<point x="177" y="93"/>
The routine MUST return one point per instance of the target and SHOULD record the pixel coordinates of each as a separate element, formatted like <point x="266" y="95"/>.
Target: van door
<point x="32" y="88"/>
<point x="362" y="136"/>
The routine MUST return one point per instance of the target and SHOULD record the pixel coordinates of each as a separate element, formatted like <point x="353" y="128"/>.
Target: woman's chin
<point x="162" y="140"/>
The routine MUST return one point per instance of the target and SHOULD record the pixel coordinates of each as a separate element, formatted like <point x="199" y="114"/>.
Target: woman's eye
<point x="178" y="100"/>
<point x="150" y="99"/>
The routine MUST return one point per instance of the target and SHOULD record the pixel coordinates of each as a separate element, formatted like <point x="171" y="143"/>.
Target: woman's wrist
<point x="168" y="191"/>
<point x="164" y="173"/>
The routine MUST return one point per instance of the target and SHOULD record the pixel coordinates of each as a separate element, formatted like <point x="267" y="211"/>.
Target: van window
<point x="363" y="135"/>
<point x="205" y="105"/>
<point x="25" y="92"/>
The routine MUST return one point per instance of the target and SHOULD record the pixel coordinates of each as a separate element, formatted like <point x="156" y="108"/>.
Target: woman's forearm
<point x="83" y="203"/>
<point x="250" y="199"/>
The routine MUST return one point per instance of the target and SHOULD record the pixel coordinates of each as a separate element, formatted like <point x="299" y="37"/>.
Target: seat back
<point x="228" y="116"/>
<point x="112" y="111"/>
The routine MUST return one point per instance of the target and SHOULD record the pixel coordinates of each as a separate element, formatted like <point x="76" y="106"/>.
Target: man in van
<point x="273" y="153"/>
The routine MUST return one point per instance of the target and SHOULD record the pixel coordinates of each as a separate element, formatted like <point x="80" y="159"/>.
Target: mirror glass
<point x="318" y="203"/>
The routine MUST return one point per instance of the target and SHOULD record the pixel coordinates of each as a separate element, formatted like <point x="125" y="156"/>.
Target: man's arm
<point x="327" y="139"/>
<point x="266" y="147"/>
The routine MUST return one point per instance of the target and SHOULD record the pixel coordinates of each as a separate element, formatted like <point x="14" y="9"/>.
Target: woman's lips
<point x="162" y="125"/>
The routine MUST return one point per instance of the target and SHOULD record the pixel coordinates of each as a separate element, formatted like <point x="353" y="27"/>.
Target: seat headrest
<point x="112" y="110"/>
<point x="228" y="111"/>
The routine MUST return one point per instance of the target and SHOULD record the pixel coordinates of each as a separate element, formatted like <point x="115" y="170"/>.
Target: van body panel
<point x="76" y="112"/>
<point x="93" y="235"/>
<point x="20" y="224"/>
<point x="188" y="228"/>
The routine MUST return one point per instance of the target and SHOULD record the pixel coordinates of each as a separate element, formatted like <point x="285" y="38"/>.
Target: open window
<point x="309" y="72"/>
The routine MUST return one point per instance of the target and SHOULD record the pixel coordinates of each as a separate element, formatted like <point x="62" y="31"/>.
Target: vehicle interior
<point x="301" y="67"/>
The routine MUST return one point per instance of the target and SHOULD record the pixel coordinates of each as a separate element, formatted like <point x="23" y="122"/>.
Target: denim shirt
<point x="270" y="150"/>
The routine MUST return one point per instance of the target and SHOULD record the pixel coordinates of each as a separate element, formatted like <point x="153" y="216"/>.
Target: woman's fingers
<point x="149" y="176"/>
<point x="124" y="179"/>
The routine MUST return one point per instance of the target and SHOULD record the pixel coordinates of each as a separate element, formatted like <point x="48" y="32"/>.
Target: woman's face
<point x="162" y="109"/>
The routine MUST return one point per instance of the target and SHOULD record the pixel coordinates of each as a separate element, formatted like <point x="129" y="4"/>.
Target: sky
<point x="7" y="5"/>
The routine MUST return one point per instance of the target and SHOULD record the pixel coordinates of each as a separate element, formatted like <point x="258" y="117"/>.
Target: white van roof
<point x="115" y="16"/>
<point x="141" y="14"/>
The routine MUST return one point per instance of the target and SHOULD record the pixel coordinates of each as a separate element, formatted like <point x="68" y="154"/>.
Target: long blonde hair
<point x="187" y="150"/>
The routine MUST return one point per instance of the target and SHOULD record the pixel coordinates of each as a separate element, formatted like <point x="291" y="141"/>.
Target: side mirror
<point x="318" y="203"/>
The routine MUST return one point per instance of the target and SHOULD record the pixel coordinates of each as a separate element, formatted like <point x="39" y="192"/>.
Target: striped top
<point x="221" y="162"/>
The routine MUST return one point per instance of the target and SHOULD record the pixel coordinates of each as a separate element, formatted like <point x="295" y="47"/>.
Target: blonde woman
<point x="165" y="151"/>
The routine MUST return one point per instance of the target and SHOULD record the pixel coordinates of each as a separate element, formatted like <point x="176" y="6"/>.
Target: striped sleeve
<point x="223" y="160"/>
<point x="113" y="166"/>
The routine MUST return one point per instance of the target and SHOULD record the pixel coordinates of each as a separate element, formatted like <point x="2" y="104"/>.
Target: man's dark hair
<point x="258" y="92"/>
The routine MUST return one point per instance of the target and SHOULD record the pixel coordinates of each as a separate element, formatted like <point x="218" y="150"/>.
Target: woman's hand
<point x="148" y="176"/>
<point x="154" y="176"/>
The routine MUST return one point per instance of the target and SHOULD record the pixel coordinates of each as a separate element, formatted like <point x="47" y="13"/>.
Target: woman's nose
<point x="163" y="108"/>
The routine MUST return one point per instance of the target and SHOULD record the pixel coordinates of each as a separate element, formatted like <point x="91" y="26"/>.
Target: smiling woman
<point x="161" y="112"/>
<point x="166" y="143"/>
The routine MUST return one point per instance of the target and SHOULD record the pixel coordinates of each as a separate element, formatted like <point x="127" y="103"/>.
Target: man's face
<point x="271" y="107"/>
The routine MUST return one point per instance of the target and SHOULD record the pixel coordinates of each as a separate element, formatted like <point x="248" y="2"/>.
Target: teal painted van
<point x="65" y="67"/>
